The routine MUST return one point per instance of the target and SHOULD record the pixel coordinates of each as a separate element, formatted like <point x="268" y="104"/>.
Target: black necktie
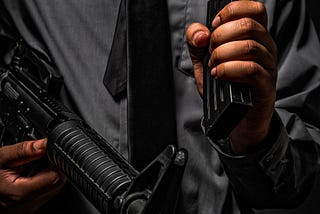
<point x="141" y="55"/>
<point x="115" y="77"/>
<point x="151" y="118"/>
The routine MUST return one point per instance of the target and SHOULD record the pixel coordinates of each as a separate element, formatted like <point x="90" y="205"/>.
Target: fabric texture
<point x="77" y="35"/>
<point x="151" y="116"/>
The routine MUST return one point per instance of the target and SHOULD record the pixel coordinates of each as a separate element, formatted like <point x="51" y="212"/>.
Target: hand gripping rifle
<point x="224" y="103"/>
<point x="29" y="109"/>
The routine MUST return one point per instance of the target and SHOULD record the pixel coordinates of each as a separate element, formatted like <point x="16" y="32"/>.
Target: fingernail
<point x="39" y="144"/>
<point x="197" y="38"/>
<point x="216" y="22"/>
<point x="214" y="71"/>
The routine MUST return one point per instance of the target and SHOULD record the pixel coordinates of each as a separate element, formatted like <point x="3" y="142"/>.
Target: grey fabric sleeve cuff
<point x="270" y="156"/>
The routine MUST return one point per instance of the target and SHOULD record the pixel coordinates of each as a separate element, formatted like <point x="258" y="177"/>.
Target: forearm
<point x="281" y="174"/>
<point x="278" y="175"/>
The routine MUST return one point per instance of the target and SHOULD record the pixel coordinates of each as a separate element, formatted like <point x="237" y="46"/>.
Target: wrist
<point x="246" y="142"/>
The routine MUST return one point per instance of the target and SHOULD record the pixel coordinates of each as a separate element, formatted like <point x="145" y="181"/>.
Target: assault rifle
<point x="29" y="109"/>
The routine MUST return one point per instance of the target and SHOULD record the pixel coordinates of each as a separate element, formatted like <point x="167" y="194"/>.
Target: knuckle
<point x="24" y="150"/>
<point x="231" y="8"/>
<point x="214" y="57"/>
<point x="253" y="70"/>
<point x="248" y="25"/>
<point x="216" y="36"/>
<point x="260" y="8"/>
<point x="251" y="48"/>
<point x="191" y="28"/>
<point x="20" y="150"/>
<point x="261" y="12"/>
<point x="221" y="71"/>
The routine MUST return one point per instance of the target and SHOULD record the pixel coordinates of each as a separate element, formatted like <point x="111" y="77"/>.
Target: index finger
<point x="241" y="9"/>
<point x="22" y="153"/>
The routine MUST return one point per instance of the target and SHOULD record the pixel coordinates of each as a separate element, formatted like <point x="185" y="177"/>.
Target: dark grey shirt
<point x="76" y="35"/>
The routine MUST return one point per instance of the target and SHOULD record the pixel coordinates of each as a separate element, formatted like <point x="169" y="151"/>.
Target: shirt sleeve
<point x="281" y="173"/>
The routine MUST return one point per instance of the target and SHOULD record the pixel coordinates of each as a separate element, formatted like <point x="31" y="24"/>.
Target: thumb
<point x="22" y="153"/>
<point x="198" y="39"/>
